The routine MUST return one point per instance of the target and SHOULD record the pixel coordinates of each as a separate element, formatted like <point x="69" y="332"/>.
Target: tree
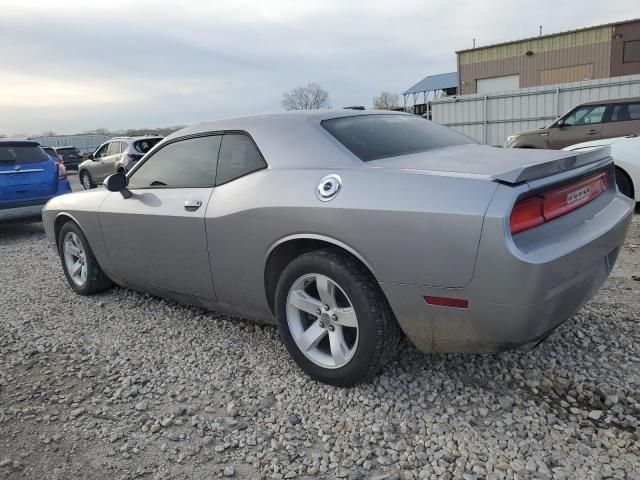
<point x="48" y="133"/>
<point x="306" y="98"/>
<point x="386" y="101"/>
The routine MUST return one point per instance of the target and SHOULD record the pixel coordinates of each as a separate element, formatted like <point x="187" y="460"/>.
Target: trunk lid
<point x="504" y="165"/>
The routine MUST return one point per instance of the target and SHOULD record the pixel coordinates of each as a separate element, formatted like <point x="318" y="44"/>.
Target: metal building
<point x="431" y="87"/>
<point x="85" y="142"/>
<point x="591" y="53"/>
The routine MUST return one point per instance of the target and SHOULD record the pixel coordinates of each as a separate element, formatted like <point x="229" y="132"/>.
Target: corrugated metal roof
<point x="612" y="24"/>
<point x="434" y="82"/>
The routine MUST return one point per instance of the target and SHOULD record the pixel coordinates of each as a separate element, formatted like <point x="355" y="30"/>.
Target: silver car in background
<point x="350" y="229"/>
<point x="119" y="154"/>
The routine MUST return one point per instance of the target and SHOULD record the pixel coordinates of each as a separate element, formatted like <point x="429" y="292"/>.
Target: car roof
<point x="65" y="146"/>
<point x="18" y="141"/>
<point x="290" y="139"/>
<point x="141" y="137"/>
<point x="613" y="100"/>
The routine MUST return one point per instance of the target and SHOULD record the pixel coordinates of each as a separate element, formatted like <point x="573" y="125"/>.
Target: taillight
<point x="526" y="214"/>
<point x="60" y="159"/>
<point x="546" y="206"/>
<point x="62" y="172"/>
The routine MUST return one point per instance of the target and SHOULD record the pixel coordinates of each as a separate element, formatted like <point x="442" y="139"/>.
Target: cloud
<point x="71" y="66"/>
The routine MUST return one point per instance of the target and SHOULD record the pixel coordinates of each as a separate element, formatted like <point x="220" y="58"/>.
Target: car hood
<point x="494" y="163"/>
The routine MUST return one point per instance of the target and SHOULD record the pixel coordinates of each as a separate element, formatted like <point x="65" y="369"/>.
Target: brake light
<point x="527" y="214"/>
<point x="62" y="172"/>
<point x="554" y="203"/>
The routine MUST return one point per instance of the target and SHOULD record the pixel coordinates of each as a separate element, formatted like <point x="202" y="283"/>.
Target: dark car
<point x="29" y="178"/>
<point x="71" y="157"/>
<point x="53" y="154"/>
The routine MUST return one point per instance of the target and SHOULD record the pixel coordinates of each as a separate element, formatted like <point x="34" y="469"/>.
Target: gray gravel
<point x="123" y="385"/>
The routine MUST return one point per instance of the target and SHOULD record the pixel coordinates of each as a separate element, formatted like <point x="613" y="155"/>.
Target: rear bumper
<point x="22" y="212"/>
<point x="516" y="297"/>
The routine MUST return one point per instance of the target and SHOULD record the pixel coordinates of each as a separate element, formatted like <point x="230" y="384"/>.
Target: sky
<point x="71" y="66"/>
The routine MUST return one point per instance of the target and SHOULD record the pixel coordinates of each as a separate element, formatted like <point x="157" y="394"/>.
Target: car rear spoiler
<point x="562" y="162"/>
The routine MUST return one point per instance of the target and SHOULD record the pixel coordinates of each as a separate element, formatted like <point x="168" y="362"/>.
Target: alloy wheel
<point x="75" y="258"/>
<point x="322" y="321"/>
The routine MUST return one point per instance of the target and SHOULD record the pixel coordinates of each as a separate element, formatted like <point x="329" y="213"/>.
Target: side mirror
<point x="117" y="183"/>
<point x="560" y="123"/>
<point x="90" y="156"/>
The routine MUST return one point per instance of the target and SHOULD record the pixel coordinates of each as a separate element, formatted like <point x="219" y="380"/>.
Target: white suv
<point x="119" y="154"/>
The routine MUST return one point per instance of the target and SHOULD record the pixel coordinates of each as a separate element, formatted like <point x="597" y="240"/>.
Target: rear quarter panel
<point x="408" y="227"/>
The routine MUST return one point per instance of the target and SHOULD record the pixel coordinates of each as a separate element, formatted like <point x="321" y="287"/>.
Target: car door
<point x="96" y="162"/>
<point x="581" y="125"/>
<point x="107" y="164"/>
<point x="157" y="236"/>
<point x="623" y="120"/>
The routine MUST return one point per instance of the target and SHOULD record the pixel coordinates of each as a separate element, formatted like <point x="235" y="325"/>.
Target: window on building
<point x="631" y="51"/>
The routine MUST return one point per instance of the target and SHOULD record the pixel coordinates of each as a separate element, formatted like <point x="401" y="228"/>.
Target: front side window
<point x="238" y="157"/>
<point x="371" y="137"/>
<point x="189" y="163"/>
<point x="102" y="151"/>
<point x="586" y="115"/>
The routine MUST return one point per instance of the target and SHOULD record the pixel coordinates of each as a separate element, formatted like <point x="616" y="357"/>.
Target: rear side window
<point x="371" y="137"/>
<point x="16" y="153"/>
<point x="143" y="146"/>
<point x="625" y="112"/>
<point x="238" y="157"/>
<point x="114" y="148"/>
<point x="189" y="163"/>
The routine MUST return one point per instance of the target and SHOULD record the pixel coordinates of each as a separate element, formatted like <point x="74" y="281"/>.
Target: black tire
<point x="85" y="179"/>
<point x="378" y="331"/>
<point x="624" y="183"/>
<point x="96" y="280"/>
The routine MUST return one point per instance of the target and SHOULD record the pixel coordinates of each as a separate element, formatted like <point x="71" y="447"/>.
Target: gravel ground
<point x="124" y="385"/>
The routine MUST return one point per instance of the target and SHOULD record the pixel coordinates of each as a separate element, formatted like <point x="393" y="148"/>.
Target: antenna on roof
<point x="540" y="30"/>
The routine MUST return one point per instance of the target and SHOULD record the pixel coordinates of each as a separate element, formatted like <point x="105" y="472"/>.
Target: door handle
<point x="592" y="132"/>
<point x="192" y="205"/>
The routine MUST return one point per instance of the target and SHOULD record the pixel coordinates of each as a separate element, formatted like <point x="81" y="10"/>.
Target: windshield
<point x="15" y="153"/>
<point x="371" y="137"/>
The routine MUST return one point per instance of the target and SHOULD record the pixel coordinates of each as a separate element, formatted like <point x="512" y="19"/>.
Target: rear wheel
<point x="81" y="268"/>
<point x="86" y="180"/>
<point x="624" y="183"/>
<point x="333" y="318"/>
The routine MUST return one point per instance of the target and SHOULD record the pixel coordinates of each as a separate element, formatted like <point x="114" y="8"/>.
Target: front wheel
<point x="81" y="268"/>
<point x="334" y="319"/>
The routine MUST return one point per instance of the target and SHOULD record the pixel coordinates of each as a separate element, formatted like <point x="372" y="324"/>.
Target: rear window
<point x="371" y="137"/>
<point x="143" y="146"/>
<point x="15" y="153"/>
<point x="67" y="150"/>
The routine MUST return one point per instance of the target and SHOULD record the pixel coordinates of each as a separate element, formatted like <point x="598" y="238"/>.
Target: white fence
<point x="86" y="143"/>
<point x="492" y="117"/>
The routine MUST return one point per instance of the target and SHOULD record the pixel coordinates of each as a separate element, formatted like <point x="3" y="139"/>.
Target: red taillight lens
<point x="527" y="214"/>
<point x="563" y="200"/>
<point x="546" y="206"/>
<point x="62" y="172"/>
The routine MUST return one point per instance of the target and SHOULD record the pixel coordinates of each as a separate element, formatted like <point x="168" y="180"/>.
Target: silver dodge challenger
<point x="350" y="229"/>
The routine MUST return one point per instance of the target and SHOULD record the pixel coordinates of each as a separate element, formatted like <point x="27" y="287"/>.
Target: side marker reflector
<point x="447" y="302"/>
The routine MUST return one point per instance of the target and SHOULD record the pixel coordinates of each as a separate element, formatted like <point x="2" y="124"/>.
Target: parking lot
<point x="124" y="385"/>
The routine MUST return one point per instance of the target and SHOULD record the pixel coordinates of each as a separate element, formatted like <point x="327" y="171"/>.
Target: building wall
<point x="572" y="56"/>
<point x="623" y="33"/>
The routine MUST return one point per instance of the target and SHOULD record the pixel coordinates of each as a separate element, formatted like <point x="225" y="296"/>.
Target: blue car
<point x="28" y="179"/>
